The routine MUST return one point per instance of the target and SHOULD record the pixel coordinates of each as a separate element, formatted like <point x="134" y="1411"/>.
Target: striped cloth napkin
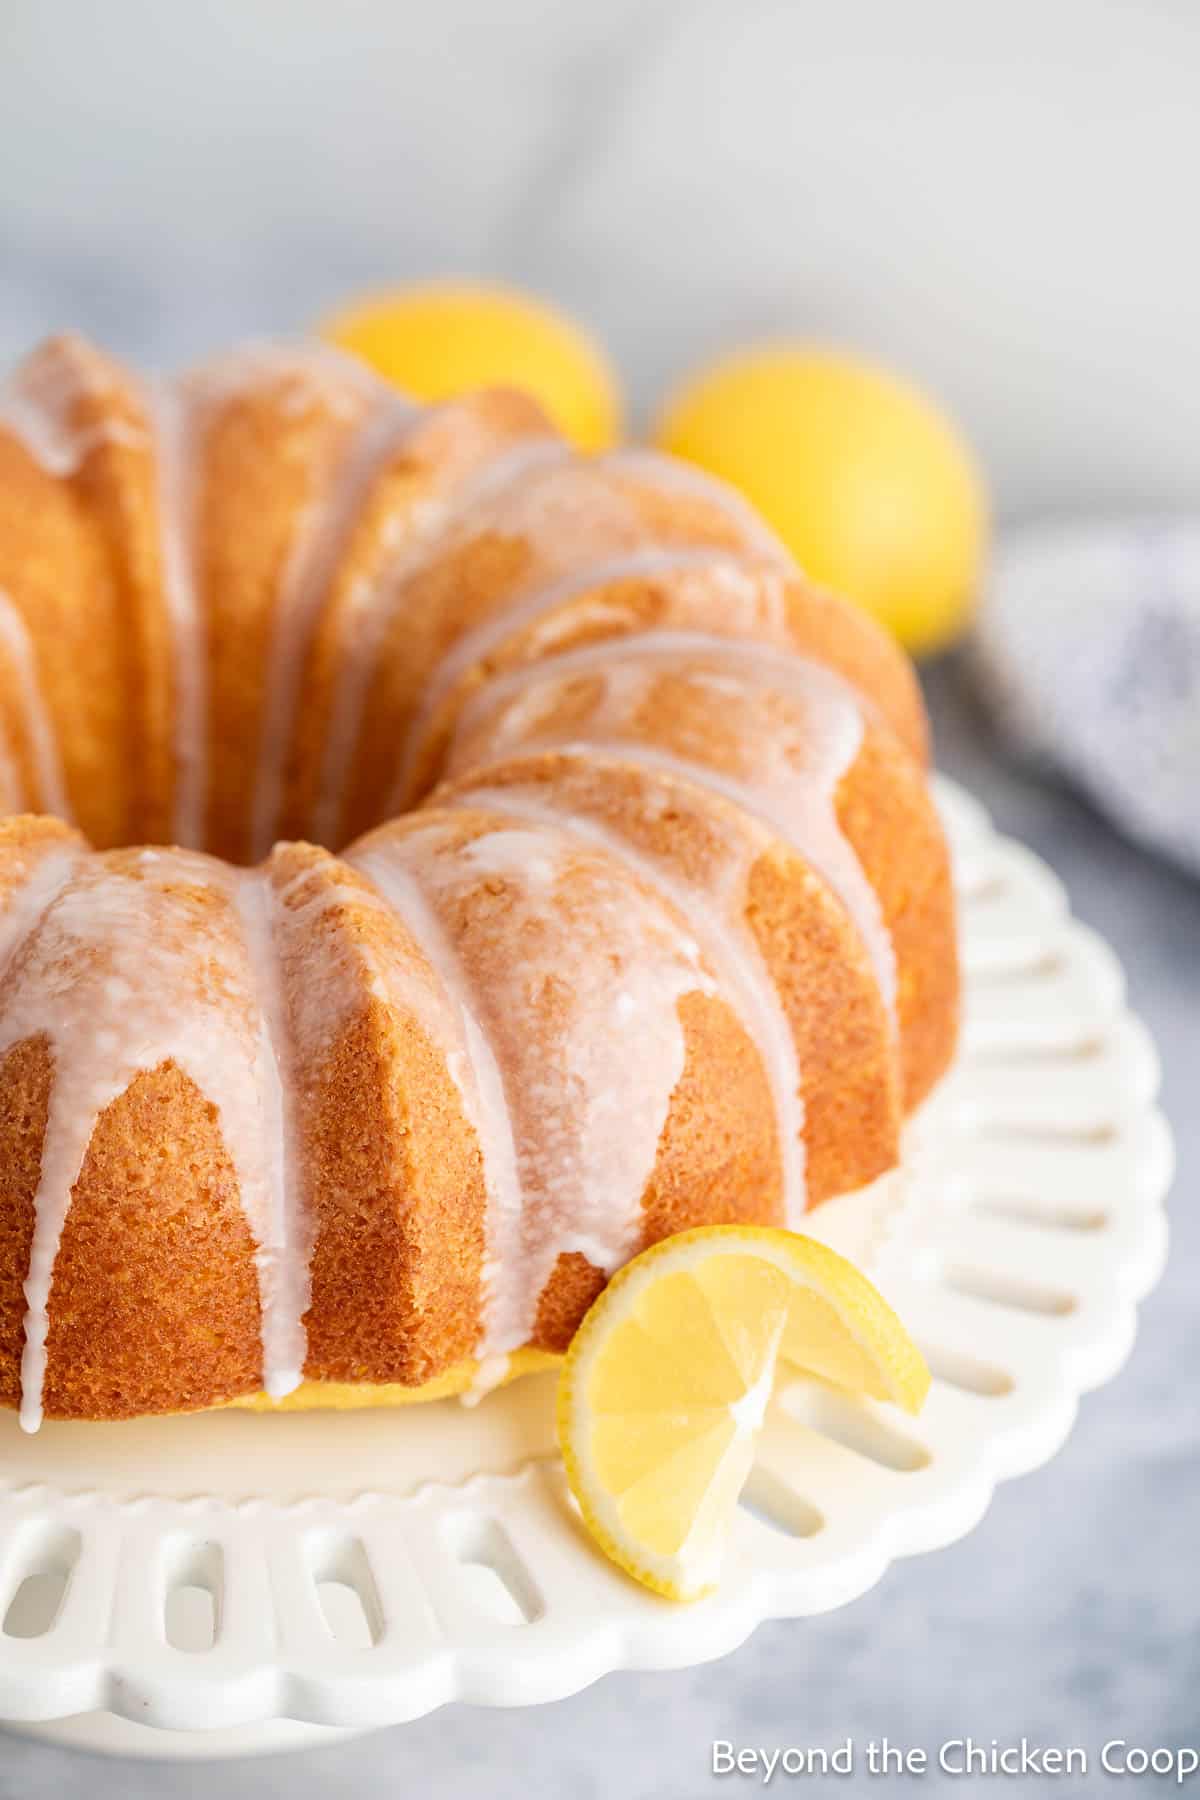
<point x="1087" y="651"/>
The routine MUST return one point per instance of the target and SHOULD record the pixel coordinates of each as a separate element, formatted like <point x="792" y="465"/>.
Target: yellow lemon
<point x="442" y="338"/>
<point x="870" y="486"/>
<point x="666" y="1383"/>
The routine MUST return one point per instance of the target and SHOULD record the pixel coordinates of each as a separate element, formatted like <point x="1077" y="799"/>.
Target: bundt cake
<point x="644" y="921"/>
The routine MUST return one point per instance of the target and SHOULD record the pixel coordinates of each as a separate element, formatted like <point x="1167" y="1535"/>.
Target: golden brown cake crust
<point x="819" y="968"/>
<point x="403" y="503"/>
<point x="154" y="1306"/>
<point x="26" y="1073"/>
<point x="58" y="571"/>
<point x="787" y="612"/>
<point x="717" y="1158"/>
<point x="393" y="1168"/>
<point x="276" y="591"/>
<point x="265" y="452"/>
<point x="886" y="811"/>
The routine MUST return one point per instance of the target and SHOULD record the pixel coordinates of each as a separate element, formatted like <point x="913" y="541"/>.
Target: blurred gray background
<point x="998" y="197"/>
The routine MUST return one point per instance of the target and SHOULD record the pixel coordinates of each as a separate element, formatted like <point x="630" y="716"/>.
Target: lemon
<point x="665" y="1386"/>
<point x="439" y="339"/>
<point x="867" y="482"/>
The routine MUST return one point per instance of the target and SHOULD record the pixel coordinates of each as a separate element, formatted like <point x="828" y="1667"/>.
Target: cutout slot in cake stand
<point x="237" y="1583"/>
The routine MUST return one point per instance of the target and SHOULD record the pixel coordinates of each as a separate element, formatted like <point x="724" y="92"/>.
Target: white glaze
<point x="489" y="1374"/>
<point x="173" y="422"/>
<point x="790" y="773"/>
<point x="577" y="1046"/>
<point x="284" y="1251"/>
<point x="474" y="1069"/>
<point x="718" y="919"/>
<point x="130" y="967"/>
<point x="182" y="413"/>
<point x="305" y="588"/>
<point x="36" y="405"/>
<point x="651" y="563"/>
<point x="392" y="967"/>
<point x="305" y="371"/>
<point x="38" y="877"/>
<point x="568" y="1111"/>
<point x="668" y="474"/>
<point x="577" y="521"/>
<point x="366" y="629"/>
<point x="38" y="728"/>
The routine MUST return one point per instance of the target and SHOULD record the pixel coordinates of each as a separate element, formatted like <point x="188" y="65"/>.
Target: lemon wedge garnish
<point x="665" y="1386"/>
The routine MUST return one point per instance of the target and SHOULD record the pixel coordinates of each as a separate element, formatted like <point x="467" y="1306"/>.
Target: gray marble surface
<point x="684" y="174"/>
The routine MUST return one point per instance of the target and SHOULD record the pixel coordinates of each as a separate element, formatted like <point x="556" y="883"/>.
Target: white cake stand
<point x="225" y="1583"/>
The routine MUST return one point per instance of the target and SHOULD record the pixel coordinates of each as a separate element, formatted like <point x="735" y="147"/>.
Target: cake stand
<point x="223" y="1583"/>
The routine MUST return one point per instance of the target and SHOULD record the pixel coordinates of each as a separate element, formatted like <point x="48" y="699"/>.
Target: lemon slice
<point x="663" y="1391"/>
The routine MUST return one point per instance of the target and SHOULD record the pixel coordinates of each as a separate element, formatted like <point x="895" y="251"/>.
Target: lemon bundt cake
<point x="556" y="870"/>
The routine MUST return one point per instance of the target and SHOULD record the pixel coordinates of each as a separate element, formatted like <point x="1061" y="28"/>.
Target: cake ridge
<point x="36" y="889"/>
<point x="174" y="435"/>
<point x="283" y="1262"/>
<point x="315" y="366"/>
<point x="728" y="947"/>
<point x="669" y="471"/>
<point x="484" y="1098"/>
<point x="41" y="744"/>
<point x="36" y="397"/>
<point x="650" y="562"/>
<point x="771" y="659"/>
<point x="583" y="573"/>
<point x="839" y="866"/>
<point x="550" y="1024"/>
<point x="114" y="935"/>
<point x="304" y="590"/>
<point x="358" y="663"/>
